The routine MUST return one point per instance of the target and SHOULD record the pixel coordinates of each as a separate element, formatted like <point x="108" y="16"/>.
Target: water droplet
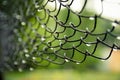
<point x="36" y="5"/>
<point x="39" y="10"/>
<point x="5" y="2"/>
<point x="118" y="37"/>
<point x="91" y="18"/>
<point x="54" y="51"/>
<point x="23" y="23"/>
<point x="15" y="31"/>
<point x="27" y="55"/>
<point x="20" y="39"/>
<point x="59" y="40"/>
<point x="66" y="60"/>
<point x="77" y="63"/>
<point x="87" y="28"/>
<point x="23" y="61"/>
<point x="60" y="43"/>
<point x="64" y="54"/>
<point x="81" y="38"/>
<point x="25" y="50"/>
<point x="42" y="39"/>
<point x="70" y="23"/>
<point x="20" y="69"/>
<point x="15" y="63"/>
<point x="103" y="60"/>
<point x="35" y="48"/>
<point x="88" y="45"/>
<point x="114" y="24"/>
<point x="18" y="17"/>
<point x="31" y="69"/>
<point x="47" y="57"/>
<point x="73" y="45"/>
<point x="51" y="48"/>
<point x="33" y="31"/>
<point x="65" y="36"/>
<point x="115" y="49"/>
<point x="42" y="26"/>
<point x="33" y="58"/>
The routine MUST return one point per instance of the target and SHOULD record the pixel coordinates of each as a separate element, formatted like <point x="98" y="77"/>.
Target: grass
<point x="62" y="75"/>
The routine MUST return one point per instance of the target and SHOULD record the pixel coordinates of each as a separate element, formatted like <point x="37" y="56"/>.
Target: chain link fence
<point x="38" y="34"/>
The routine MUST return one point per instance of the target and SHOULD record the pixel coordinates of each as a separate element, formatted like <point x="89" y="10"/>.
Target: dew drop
<point x="73" y="45"/>
<point x="33" y="58"/>
<point x="42" y="39"/>
<point x="51" y="48"/>
<point x="33" y="31"/>
<point x="64" y="54"/>
<point x="15" y="63"/>
<point x="23" y="61"/>
<point x="27" y="55"/>
<point x="18" y="17"/>
<point x="59" y="40"/>
<point x="87" y="28"/>
<point x="39" y="10"/>
<point x="77" y="63"/>
<point x="23" y="23"/>
<point x="66" y="60"/>
<point x="115" y="49"/>
<point x="70" y="23"/>
<point x="20" y="39"/>
<point x="20" y="69"/>
<point x="103" y="60"/>
<point x="60" y="43"/>
<point x="54" y="51"/>
<point x="35" y="48"/>
<point x="31" y="69"/>
<point x="37" y="6"/>
<point x="118" y="37"/>
<point x="5" y="2"/>
<point x="88" y="45"/>
<point x="65" y="36"/>
<point x="91" y="18"/>
<point x="42" y="26"/>
<point x="25" y="50"/>
<point x="15" y="30"/>
<point x="114" y="24"/>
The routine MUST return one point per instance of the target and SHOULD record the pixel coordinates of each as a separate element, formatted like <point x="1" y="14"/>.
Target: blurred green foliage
<point x="62" y="75"/>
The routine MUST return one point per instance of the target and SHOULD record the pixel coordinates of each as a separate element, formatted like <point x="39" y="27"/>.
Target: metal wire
<point x="58" y="34"/>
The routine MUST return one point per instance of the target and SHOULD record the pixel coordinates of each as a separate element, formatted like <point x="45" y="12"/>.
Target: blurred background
<point x="91" y="69"/>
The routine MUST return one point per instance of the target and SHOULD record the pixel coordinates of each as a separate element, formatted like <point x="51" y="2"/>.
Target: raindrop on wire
<point x="118" y="37"/>
<point x="20" y="69"/>
<point x="114" y="24"/>
<point x="23" y="61"/>
<point x="27" y="55"/>
<point x="25" y="50"/>
<point x="66" y="60"/>
<point x="15" y="63"/>
<point x="42" y="39"/>
<point x="103" y="60"/>
<point x="77" y="63"/>
<point x="23" y="23"/>
<point x="31" y="69"/>
<point x="91" y="18"/>
<point x="88" y="45"/>
<point x="33" y="58"/>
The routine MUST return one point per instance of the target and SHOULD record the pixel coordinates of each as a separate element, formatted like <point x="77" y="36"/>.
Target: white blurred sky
<point x="111" y="8"/>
